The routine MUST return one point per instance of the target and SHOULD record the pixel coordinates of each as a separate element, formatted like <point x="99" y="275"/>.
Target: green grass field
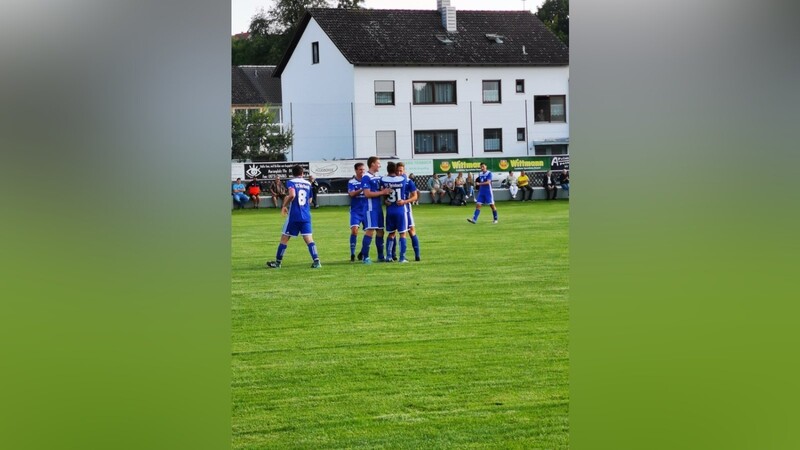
<point x="466" y="349"/>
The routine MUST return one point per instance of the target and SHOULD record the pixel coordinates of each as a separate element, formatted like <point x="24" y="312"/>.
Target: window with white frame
<point x="520" y="86"/>
<point x="384" y="92"/>
<point x="491" y="91"/>
<point x="386" y="143"/>
<point x="434" y="92"/>
<point x="550" y="108"/>
<point x="493" y="139"/>
<point x="436" y="141"/>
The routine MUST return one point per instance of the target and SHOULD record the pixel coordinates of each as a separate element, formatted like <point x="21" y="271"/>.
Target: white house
<point x="424" y="84"/>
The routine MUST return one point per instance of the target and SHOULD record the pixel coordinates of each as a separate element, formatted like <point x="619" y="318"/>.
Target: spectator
<point x="511" y="184"/>
<point x="524" y="185"/>
<point x="460" y="193"/>
<point x="314" y="191"/>
<point x="278" y="191"/>
<point x="239" y="197"/>
<point x="253" y="191"/>
<point x="469" y="186"/>
<point x="564" y="181"/>
<point x="435" y="186"/>
<point x="549" y="185"/>
<point x="449" y="184"/>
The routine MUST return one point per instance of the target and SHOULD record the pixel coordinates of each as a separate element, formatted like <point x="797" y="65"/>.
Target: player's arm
<point x="355" y="192"/>
<point x="372" y="194"/>
<point x="287" y="200"/>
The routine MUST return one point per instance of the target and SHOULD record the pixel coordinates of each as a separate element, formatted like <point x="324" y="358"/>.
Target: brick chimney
<point x="448" y="15"/>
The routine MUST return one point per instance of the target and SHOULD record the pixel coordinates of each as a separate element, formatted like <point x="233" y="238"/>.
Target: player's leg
<point x="312" y="248"/>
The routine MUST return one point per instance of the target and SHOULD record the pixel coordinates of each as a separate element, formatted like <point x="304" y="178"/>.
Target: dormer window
<point x="498" y="38"/>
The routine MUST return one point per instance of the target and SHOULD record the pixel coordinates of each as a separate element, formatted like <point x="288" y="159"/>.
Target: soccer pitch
<point x="466" y="349"/>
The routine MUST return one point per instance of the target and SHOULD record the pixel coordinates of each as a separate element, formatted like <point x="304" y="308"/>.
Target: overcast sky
<point x="243" y="10"/>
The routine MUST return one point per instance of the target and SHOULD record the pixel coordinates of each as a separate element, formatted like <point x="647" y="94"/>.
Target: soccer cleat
<point x="366" y="260"/>
<point x="470" y="220"/>
<point x="352" y="258"/>
<point x="316" y="264"/>
<point x="360" y="256"/>
<point x="394" y="257"/>
<point x="274" y="264"/>
<point x="386" y="260"/>
<point x="494" y="221"/>
<point x="416" y="258"/>
<point x="403" y="261"/>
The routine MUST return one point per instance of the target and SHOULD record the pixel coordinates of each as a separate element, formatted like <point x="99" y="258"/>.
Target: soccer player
<point x="298" y="218"/>
<point x="412" y="194"/>
<point x="395" y="210"/>
<point x="371" y="184"/>
<point x="485" y="196"/>
<point x="358" y="206"/>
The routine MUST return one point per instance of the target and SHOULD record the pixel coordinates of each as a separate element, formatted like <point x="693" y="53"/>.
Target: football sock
<point x="353" y="240"/>
<point x="403" y="247"/>
<point x="281" y="251"/>
<point x="475" y="216"/>
<point x="389" y="247"/>
<point x="379" y="244"/>
<point x="312" y="249"/>
<point x="415" y="245"/>
<point x="494" y="214"/>
<point x="365" y="244"/>
<point x="394" y="248"/>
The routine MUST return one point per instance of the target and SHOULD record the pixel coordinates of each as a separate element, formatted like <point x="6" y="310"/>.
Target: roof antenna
<point x="523" y="5"/>
<point x="523" y="50"/>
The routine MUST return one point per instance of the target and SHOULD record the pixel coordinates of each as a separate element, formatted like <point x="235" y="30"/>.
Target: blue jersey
<point x="372" y="183"/>
<point x="399" y="187"/>
<point x="484" y="177"/>
<point x="299" y="210"/>
<point x="359" y="202"/>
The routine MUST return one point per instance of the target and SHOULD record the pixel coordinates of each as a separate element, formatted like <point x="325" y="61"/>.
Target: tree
<point x="349" y="4"/>
<point x="255" y="136"/>
<point x="555" y="16"/>
<point x="286" y="14"/>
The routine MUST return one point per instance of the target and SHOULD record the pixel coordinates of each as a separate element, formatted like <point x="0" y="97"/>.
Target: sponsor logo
<point x="326" y="170"/>
<point x="525" y="164"/>
<point x="503" y="164"/>
<point x="444" y="166"/>
<point x="253" y="172"/>
<point x="463" y="165"/>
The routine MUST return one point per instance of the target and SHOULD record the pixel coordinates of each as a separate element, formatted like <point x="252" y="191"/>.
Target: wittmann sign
<point x="270" y="170"/>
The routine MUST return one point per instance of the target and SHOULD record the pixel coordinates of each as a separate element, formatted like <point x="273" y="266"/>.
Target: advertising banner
<point x="526" y="163"/>
<point x="334" y="169"/>
<point x="270" y="170"/>
<point x="560" y="162"/>
<point x="419" y="166"/>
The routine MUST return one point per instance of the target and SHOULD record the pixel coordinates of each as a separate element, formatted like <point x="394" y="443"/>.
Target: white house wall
<point x="469" y="116"/>
<point x="317" y="99"/>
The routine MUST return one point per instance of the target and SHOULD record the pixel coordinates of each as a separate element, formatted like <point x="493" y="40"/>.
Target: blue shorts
<point x="358" y="218"/>
<point x="409" y="217"/>
<point x="485" y="197"/>
<point x="374" y="219"/>
<point x="396" y="220"/>
<point x="295" y="228"/>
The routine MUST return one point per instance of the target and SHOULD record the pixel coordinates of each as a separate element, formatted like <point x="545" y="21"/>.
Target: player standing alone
<point x="485" y="196"/>
<point x="298" y="218"/>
